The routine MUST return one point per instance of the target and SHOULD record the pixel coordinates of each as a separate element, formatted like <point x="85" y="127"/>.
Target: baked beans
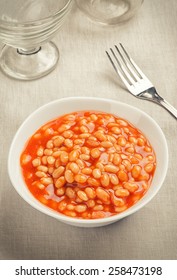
<point x="88" y="165"/>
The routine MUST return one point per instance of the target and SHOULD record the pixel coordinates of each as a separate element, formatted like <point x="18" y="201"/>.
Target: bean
<point x="56" y="154"/>
<point x="96" y="173"/>
<point x="111" y="139"/>
<point x="121" y="141"/>
<point x="116" y="130"/>
<point x="60" y="191"/>
<point x="50" y="160"/>
<point x="73" y="155"/>
<point x="84" y="129"/>
<point x="147" y="149"/>
<point x="117" y="201"/>
<point x="131" y="187"/>
<point x="64" y="157"/>
<point x="104" y="158"/>
<point x="62" y="205"/>
<point x="84" y="135"/>
<point x="47" y="181"/>
<point x="136" y="171"/>
<point x="42" y="168"/>
<point x="127" y="164"/>
<point x="123" y="156"/>
<point x="70" y="213"/>
<point x="93" y="143"/>
<point x="105" y="180"/>
<point x="122" y="122"/>
<point x="68" y="134"/>
<point x="120" y="209"/>
<point x="40" y="186"/>
<point x="80" y="208"/>
<point x="58" y="162"/>
<point x="50" y="170"/>
<point x="106" y="144"/>
<point x="122" y="175"/>
<point x="43" y="200"/>
<point x="80" y="163"/>
<point x="49" y="144"/>
<point x="68" y="143"/>
<point x="139" y="156"/>
<point x="111" y="157"/>
<point x="93" y="117"/>
<point x="140" y="142"/>
<point x="134" y="160"/>
<point x="100" y="166"/>
<point x="90" y="193"/>
<point x="36" y="162"/>
<point x="48" y="152"/>
<point x="40" y="174"/>
<point x="93" y="182"/>
<point x="70" y="207"/>
<point x="114" y="180"/>
<point x="100" y="136"/>
<point x="149" y="167"/>
<point x="91" y="126"/>
<point x="79" y="142"/>
<point x="82" y="195"/>
<point x="63" y="127"/>
<point x="150" y="158"/>
<point x="58" y="141"/>
<point x="144" y="177"/>
<point x="49" y="131"/>
<point x="98" y="215"/>
<point x="60" y="182"/>
<point x="102" y="194"/>
<point x="80" y="178"/>
<point x="95" y="153"/>
<point x="111" y="168"/>
<point x="116" y="159"/>
<point x="130" y="150"/>
<point x="112" y="124"/>
<point x="117" y="147"/>
<point x="98" y="208"/>
<point x="69" y="176"/>
<point x="87" y="171"/>
<point x="74" y="167"/>
<point x="132" y="140"/>
<point x="85" y="150"/>
<point x="91" y="203"/>
<point x="40" y="151"/>
<point x="122" y="192"/>
<point x="84" y="157"/>
<point x="70" y="193"/>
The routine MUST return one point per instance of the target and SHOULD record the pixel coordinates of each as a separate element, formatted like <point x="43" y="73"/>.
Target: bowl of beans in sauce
<point x="88" y="161"/>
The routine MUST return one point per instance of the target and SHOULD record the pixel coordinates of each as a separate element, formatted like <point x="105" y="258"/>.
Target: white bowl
<point x="67" y="105"/>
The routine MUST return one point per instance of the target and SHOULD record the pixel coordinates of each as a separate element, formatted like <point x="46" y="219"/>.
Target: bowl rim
<point x="30" y="23"/>
<point x="61" y="217"/>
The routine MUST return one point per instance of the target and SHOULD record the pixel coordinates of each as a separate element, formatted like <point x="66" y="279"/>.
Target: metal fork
<point x="134" y="79"/>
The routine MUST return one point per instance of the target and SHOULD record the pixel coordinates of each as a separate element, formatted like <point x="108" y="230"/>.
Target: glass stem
<point x="28" y="51"/>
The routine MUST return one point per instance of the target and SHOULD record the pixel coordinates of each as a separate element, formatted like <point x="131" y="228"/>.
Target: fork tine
<point x="125" y="81"/>
<point x="127" y="62"/>
<point x="138" y="70"/>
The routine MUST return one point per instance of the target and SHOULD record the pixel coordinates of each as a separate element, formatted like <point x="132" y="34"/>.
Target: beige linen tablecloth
<point x="84" y="70"/>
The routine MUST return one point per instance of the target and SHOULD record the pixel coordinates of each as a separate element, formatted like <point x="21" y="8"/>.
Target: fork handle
<point x="168" y="107"/>
<point x="152" y="95"/>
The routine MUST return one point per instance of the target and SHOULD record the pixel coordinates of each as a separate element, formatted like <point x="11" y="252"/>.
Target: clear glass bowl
<point x="26" y="28"/>
<point x="109" y="12"/>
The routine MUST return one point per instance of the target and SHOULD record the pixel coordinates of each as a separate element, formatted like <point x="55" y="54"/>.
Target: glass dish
<point x="109" y="12"/>
<point x="26" y="28"/>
